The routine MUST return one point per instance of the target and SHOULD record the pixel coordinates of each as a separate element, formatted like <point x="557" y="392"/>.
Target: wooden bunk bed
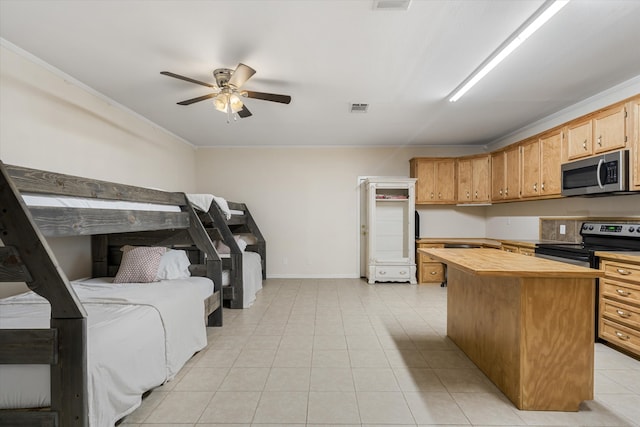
<point x="224" y="228"/>
<point x="26" y="257"/>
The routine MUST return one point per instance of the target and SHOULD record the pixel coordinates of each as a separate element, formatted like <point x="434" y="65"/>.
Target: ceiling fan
<point x="226" y="97"/>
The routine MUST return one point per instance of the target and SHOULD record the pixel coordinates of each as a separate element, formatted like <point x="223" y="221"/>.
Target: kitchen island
<point x="527" y="323"/>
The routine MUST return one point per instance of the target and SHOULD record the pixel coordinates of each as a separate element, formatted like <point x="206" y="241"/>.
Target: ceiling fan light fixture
<point x="220" y="102"/>
<point x="236" y="103"/>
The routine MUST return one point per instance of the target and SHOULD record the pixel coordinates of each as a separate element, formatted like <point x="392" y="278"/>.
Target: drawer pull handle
<point x="622" y="336"/>
<point x="623" y="292"/>
<point x="623" y="272"/>
<point x="433" y="273"/>
<point x="383" y="272"/>
<point x="623" y="314"/>
<point x="403" y="272"/>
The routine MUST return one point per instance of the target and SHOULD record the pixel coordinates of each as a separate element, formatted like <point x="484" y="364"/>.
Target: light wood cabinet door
<point x="465" y="180"/>
<point x="579" y="139"/>
<point x="512" y="173"/>
<point x="424" y="171"/>
<point x="446" y="180"/>
<point x="497" y="175"/>
<point x="531" y="168"/>
<point x="609" y="131"/>
<point x="481" y="178"/>
<point x="550" y="163"/>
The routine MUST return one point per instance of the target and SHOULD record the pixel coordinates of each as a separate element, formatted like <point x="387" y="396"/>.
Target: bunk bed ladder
<point x="251" y="226"/>
<point x="213" y="263"/>
<point x="233" y="293"/>
<point x="26" y="257"/>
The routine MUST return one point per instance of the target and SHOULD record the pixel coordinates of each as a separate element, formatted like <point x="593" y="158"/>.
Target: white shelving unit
<point x="390" y="248"/>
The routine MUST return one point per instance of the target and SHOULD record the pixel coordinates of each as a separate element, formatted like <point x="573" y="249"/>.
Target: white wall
<point x="50" y="121"/>
<point x="305" y="200"/>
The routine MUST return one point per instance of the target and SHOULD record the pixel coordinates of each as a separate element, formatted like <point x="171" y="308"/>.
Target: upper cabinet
<point x="603" y="131"/>
<point x="436" y="179"/>
<point x="541" y="165"/>
<point x="474" y="179"/>
<point x="579" y="139"/>
<point x="609" y="129"/>
<point x="531" y="169"/>
<point x="505" y="174"/>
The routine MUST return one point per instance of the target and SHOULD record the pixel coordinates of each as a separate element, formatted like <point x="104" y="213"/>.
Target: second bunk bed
<point x="240" y="244"/>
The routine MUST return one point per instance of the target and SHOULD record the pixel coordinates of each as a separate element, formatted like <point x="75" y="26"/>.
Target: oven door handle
<point x="600" y="163"/>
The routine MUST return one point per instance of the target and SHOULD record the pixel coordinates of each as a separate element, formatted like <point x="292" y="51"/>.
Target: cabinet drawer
<point x="623" y="271"/>
<point x="621" y="313"/>
<point x="528" y="251"/>
<point x="393" y="273"/>
<point x="431" y="272"/>
<point x="620" y="291"/>
<point x="620" y="335"/>
<point x="426" y="258"/>
<point x="510" y="248"/>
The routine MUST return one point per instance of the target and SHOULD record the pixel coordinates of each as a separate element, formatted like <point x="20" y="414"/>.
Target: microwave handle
<point x="600" y="162"/>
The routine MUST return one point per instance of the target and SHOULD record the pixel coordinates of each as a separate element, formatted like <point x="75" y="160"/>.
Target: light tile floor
<point x="340" y="352"/>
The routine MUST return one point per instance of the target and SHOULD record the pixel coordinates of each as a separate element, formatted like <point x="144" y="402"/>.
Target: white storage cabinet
<point x="390" y="229"/>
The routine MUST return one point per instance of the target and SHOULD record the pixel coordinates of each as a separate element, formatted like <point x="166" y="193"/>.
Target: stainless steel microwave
<point x="605" y="173"/>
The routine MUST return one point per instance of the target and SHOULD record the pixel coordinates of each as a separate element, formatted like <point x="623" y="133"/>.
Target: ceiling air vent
<point x="391" y="4"/>
<point x="359" y="108"/>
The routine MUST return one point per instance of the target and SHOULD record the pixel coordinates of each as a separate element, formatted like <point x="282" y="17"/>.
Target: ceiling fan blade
<point x="241" y="75"/>
<point x="244" y="112"/>
<point x="198" y="99"/>
<point x="186" y="79"/>
<point x="284" y="99"/>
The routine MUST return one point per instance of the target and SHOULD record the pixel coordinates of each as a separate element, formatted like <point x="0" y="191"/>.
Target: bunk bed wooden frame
<point x="26" y="257"/>
<point x="221" y="228"/>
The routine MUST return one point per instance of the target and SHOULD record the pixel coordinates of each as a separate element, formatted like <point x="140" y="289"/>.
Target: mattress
<point x="139" y="336"/>
<point x="78" y="202"/>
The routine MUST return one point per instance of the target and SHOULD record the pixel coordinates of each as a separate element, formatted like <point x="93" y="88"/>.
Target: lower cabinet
<point x="429" y="270"/>
<point x="619" y="304"/>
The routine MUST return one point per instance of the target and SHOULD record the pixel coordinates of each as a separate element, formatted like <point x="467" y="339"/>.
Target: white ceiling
<point x="327" y="54"/>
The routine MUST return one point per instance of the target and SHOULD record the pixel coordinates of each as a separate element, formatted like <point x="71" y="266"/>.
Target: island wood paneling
<point x="527" y="323"/>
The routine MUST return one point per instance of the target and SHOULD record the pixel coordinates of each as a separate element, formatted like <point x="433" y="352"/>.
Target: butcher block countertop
<point x="487" y="243"/>
<point x="632" y="256"/>
<point x="489" y="262"/>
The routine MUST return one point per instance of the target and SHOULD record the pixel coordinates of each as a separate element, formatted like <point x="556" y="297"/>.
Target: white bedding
<point x="139" y="336"/>
<point x="78" y="202"/>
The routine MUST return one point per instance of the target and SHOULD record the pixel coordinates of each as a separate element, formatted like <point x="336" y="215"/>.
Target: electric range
<point x="596" y="236"/>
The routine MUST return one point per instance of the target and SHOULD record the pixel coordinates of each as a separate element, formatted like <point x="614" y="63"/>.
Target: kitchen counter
<point x="486" y="243"/>
<point x="527" y="323"/>
<point x="633" y="256"/>
<point x="485" y="262"/>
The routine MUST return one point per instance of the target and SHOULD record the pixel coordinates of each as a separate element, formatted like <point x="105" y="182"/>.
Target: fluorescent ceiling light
<point x="536" y="21"/>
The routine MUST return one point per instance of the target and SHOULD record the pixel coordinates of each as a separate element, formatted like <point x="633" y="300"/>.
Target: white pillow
<point x="174" y="264"/>
<point x="242" y="244"/>
<point x="139" y="264"/>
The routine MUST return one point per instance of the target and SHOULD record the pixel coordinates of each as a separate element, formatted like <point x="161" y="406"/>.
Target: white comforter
<point x="139" y="336"/>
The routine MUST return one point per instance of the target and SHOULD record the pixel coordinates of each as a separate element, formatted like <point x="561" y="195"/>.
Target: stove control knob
<point x="585" y="226"/>
<point x="631" y="229"/>
<point x="590" y="227"/>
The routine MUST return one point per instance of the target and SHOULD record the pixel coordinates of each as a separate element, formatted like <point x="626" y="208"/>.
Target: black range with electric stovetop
<point x="596" y="236"/>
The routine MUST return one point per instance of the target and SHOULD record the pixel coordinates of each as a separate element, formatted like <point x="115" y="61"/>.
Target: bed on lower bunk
<point x="239" y="243"/>
<point x="82" y="353"/>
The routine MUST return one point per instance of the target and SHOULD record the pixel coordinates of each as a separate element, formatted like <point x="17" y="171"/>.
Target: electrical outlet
<point x="563" y="229"/>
